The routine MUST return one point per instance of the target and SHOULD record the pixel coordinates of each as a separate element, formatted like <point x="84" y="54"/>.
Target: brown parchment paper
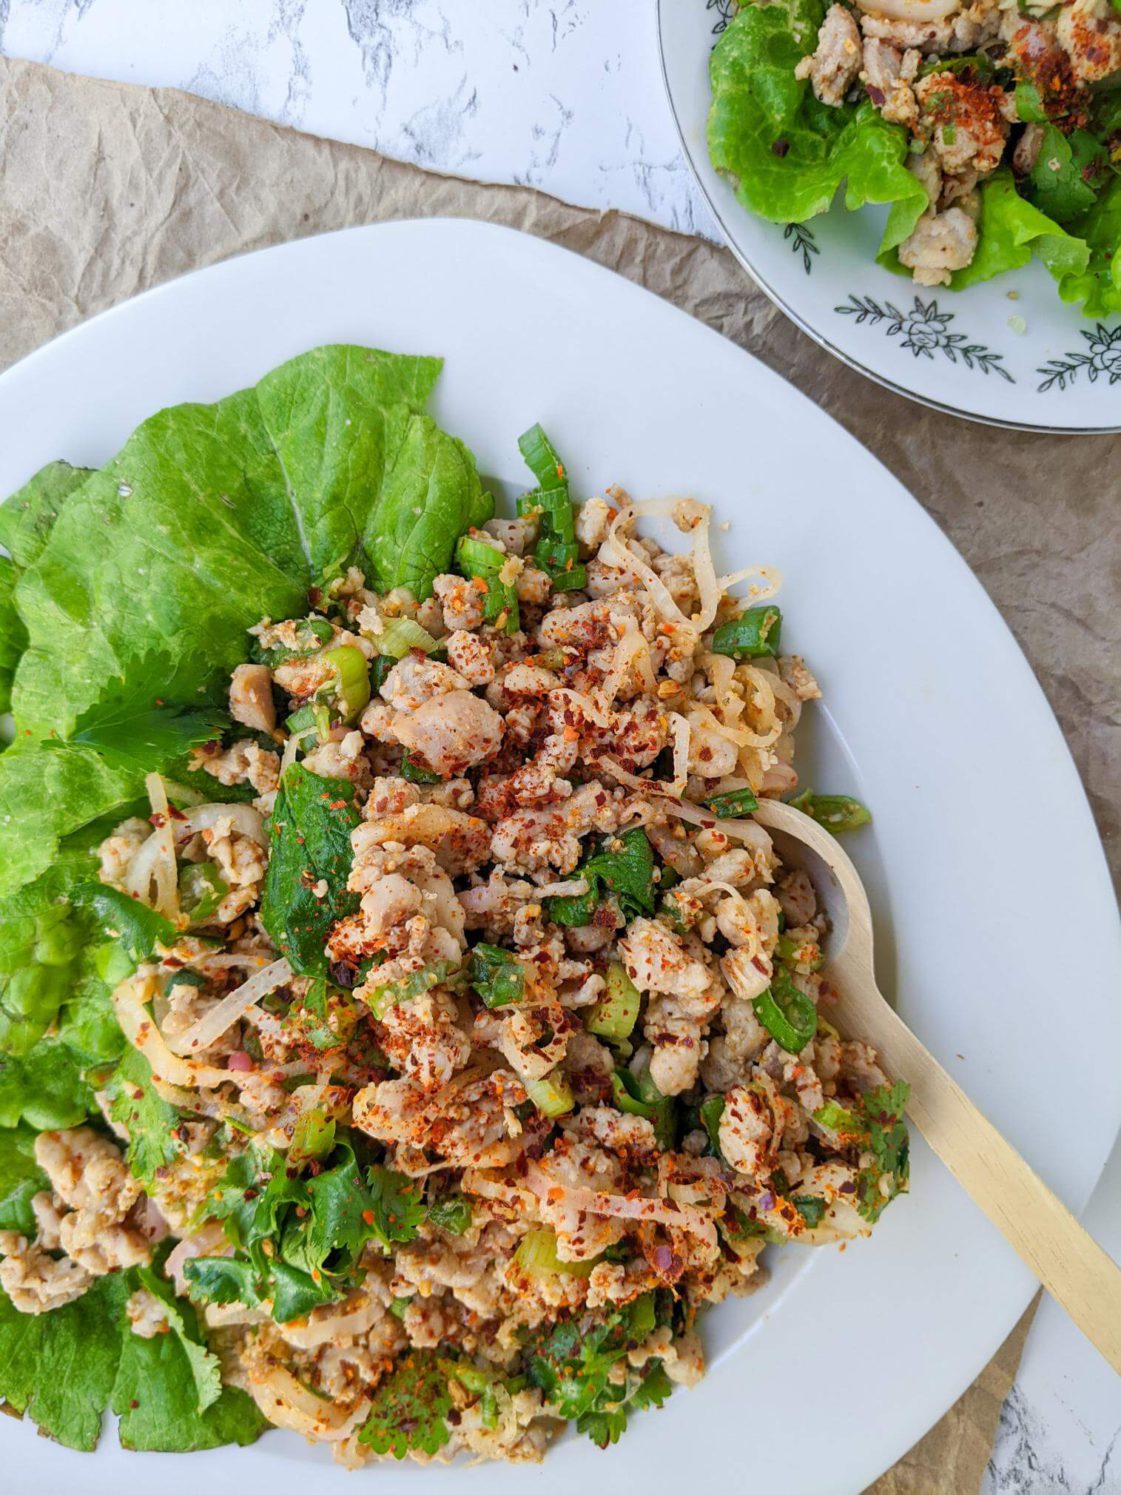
<point x="107" y="189"/>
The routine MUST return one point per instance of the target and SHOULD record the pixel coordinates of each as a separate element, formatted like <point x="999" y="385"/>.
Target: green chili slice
<point x="836" y="812"/>
<point x="735" y="802"/>
<point x="201" y="890"/>
<point x="710" y="1111"/>
<point x="614" y="1014"/>
<point x="787" y="1013"/>
<point x="416" y="773"/>
<point x="475" y="558"/>
<point x="753" y="635"/>
<point x="352" y="676"/>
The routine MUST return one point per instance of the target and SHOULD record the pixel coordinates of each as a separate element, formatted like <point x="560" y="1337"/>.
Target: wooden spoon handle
<point x="1067" y="1260"/>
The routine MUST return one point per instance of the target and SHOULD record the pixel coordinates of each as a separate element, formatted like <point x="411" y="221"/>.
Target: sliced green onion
<point x="735" y="802"/>
<point x="552" y="1096"/>
<point x="497" y="977"/>
<point x="399" y="1307"/>
<point x="541" y="458"/>
<point x="787" y="1013"/>
<point x="636" y="1094"/>
<point x="399" y="635"/>
<point x="201" y="890"/>
<point x="753" y="635"/>
<point x="537" y="1257"/>
<point x="352" y="675"/>
<point x="312" y="1137"/>
<point x="710" y="1111"/>
<point x="476" y="558"/>
<point x="384" y="997"/>
<point x="614" y="1014"/>
<point x="416" y="773"/>
<point x="836" y="812"/>
<point x="300" y="721"/>
<point x="799" y="952"/>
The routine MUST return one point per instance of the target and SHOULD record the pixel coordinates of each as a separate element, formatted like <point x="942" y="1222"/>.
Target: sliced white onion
<point x="139" y="1027"/>
<point x="910" y="10"/>
<point x="245" y="820"/>
<point x="200" y="1035"/>
<point x="289" y="1404"/>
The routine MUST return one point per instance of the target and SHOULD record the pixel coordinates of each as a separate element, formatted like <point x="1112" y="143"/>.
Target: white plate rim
<point x="732" y="242"/>
<point x="491" y="245"/>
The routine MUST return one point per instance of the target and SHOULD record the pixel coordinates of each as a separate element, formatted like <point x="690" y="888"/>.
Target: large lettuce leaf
<point x="1011" y="230"/>
<point x="213" y="516"/>
<point x="1097" y="283"/>
<point x="786" y="153"/>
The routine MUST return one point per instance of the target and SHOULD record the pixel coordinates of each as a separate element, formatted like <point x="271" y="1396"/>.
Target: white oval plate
<point x="932" y="715"/>
<point x="1008" y="351"/>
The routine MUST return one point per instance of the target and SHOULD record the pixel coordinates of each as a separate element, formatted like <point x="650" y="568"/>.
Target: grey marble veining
<point x="566" y="96"/>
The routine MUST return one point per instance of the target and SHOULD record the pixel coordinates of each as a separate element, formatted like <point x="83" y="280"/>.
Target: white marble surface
<point x="564" y="95"/>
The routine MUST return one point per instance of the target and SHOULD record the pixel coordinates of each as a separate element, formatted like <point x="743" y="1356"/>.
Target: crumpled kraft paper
<point x="107" y="189"/>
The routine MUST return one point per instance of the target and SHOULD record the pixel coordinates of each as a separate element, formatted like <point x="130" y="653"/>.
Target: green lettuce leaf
<point x="44" y="1088"/>
<point x="1011" y="230"/>
<point x="46" y="794"/>
<point x="21" y="1179"/>
<point x="13" y="637"/>
<point x="28" y="517"/>
<point x="786" y="153"/>
<point x="213" y="516"/>
<point x="1096" y="284"/>
<point x="59" y="1367"/>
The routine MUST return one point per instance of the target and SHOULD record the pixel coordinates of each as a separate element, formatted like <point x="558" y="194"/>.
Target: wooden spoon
<point x="1068" y="1262"/>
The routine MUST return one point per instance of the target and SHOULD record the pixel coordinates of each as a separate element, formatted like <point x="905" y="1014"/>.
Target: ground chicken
<point x="834" y="65"/>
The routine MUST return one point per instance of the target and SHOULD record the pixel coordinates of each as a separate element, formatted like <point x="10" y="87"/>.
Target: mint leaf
<point x="168" y="1389"/>
<point x="409" y="1410"/>
<point x="310" y="835"/>
<point x="138" y="928"/>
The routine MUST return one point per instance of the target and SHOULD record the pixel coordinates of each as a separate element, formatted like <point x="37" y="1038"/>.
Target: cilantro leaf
<point x="149" y="1119"/>
<point x="889" y="1144"/>
<point x="310" y="833"/>
<point x="580" y="1366"/>
<point x="168" y="1389"/>
<point x="409" y="1410"/>
<point x="397" y="1204"/>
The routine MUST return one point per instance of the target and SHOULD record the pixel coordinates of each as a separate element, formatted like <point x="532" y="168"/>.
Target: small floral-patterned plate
<point x="1008" y="352"/>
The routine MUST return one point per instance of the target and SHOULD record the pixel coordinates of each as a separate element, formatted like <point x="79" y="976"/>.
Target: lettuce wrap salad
<point x="405" y="1027"/>
<point x="991" y="128"/>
